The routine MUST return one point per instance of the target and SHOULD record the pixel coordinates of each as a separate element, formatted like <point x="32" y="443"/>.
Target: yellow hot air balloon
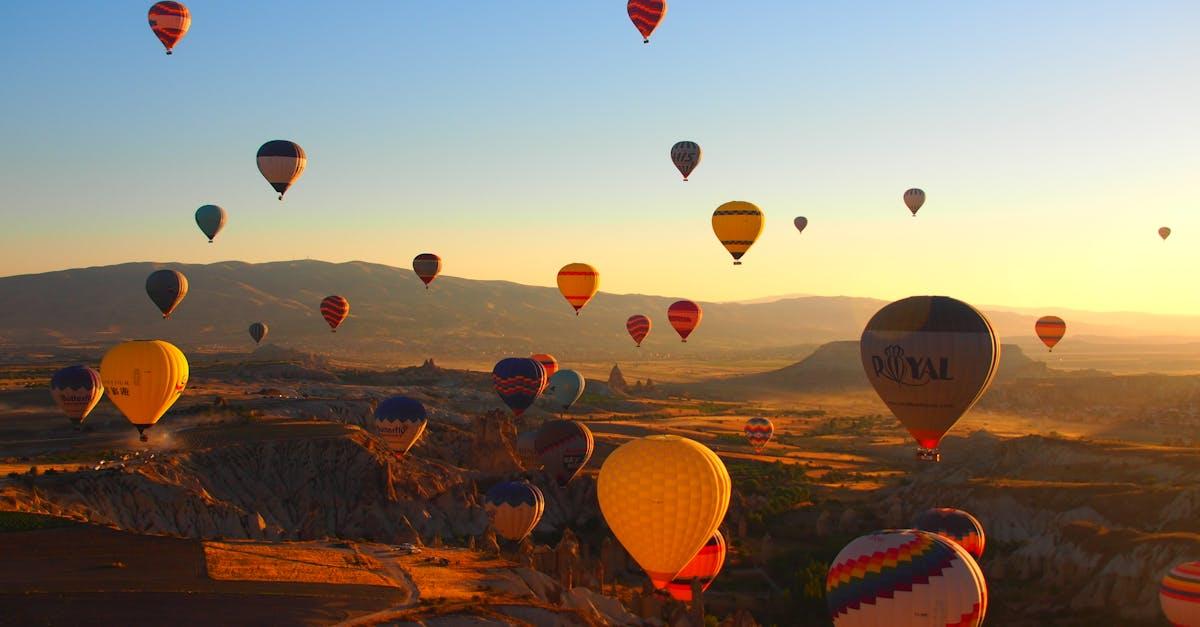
<point x="737" y="224"/>
<point x="143" y="379"/>
<point x="663" y="496"/>
<point x="578" y="283"/>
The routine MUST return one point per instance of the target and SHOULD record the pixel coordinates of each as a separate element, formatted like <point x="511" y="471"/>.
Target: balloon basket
<point x="929" y="454"/>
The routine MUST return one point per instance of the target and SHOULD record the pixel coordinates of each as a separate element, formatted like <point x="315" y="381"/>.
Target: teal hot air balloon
<point x="211" y="219"/>
<point x="564" y="388"/>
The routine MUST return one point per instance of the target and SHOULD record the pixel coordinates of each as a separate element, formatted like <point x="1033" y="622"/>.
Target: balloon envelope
<point x="913" y="199"/>
<point x="211" y="219"/>
<point x="737" y="225"/>
<point x="334" y="309"/>
<point x="166" y="289"/>
<point x="663" y="496"/>
<point x="1179" y="594"/>
<point x="801" y="222"/>
<point x="564" y="448"/>
<point x="1164" y="232"/>
<point x="684" y="316"/>
<point x="758" y="431"/>
<point x="76" y="390"/>
<point x="427" y="266"/>
<point x="956" y="525"/>
<point x="646" y="15"/>
<point x="548" y="362"/>
<point x="170" y="22"/>
<point x="518" y="381"/>
<point x="563" y="389"/>
<point x="686" y="156"/>
<point x="905" y="578"/>
<point x="705" y="567"/>
<point x="281" y="162"/>
<point x="258" y="331"/>
<point x="515" y="508"/>
<point x="638" y="327"/>
<point x="1050" y="329"/>
<point x="401" y="421"/>
<point x="143" y="378"/>
<point x="929" y="358"/>
<point x="578" y="283"/>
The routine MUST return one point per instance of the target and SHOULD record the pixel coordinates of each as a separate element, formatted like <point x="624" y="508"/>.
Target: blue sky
<point x="512" y="137"/>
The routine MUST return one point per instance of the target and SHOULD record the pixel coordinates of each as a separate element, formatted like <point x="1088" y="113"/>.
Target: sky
<point x="512" y="137"/>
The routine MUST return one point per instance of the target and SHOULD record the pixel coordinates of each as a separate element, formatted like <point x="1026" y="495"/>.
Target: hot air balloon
<point x="427" y="266"/>
<point x="801" y="222"/>
<point x="686" y="156"/>
<point x="515" y="508"/>
<point x="548" y="362"/>
<point x="905" y="578"/>
<point x="1050" y="329"/>
<point x="929" y="358"/>
<point x="646" y="15"/>
<point x="518" y="381"/>
<point x="76" y="389"/>
<point x="527" y="451"/>
<point x="953" y="524"/>
<point x="143" y="378"/>
<point x="758" y="431"/>
<point x="705" y="567"/>
<point x="578" y="283"/>
<point x="737" y="225"/>
<point x="258" y="331"/>
<point x="564" y="388"/>
<point x="334" y="309"/>
<point x="663" y="496"/>
<point x="281" y="163"/>
<point x="1164" y="232"/>
<point x="685" y="316"/>
<point x="170" y="22"/>
<point x="564" y="448"/>
<point x="166" y="289"/>
<point x="638" y="327"/>
<point x="401" y="422"/>
<point x="1179" y="594"/>
<point x="913" y="199"/>
<point x="210" y="219"/>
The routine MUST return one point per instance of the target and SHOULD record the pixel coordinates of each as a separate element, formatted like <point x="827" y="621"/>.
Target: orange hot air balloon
<point x="929" y="358"/>
<point x="1050" y="329"/>
<point x="705" y="567"/>
<point x="170" y="22"/>
<point x="335" y="309"/>
<point x="638" y="327"/>
<point x="578" y="283"/>
<point x="646" y="15"/>
<point x="549" y="364"/>
<point x="737" y="225"/>
<point x="663" y="497"/>
<point x="1164" y="232"/>
<point x="685" y="316"/>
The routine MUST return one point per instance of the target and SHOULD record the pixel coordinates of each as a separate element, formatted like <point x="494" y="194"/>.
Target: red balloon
<point x="335" y="309"/>
<point x="638" y="327"/>
<point x="170" y="22"/>
<point x="685" y="317"/>
<point x="646" y="15"/>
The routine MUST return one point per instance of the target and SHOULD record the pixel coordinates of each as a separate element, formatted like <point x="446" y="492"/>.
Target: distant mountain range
<point x="392" y="316"/>
<point x="833" y="367"/>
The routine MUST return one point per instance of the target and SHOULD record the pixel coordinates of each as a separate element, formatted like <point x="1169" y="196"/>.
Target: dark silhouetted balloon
<point x="166" y="289"/>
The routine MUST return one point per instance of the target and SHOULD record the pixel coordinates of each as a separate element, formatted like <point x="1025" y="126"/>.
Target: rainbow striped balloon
<point x="954" y="524"/>
<point x="758" y="431"/>
<point x="905" y="578"/>
<point x="1179" y="594"/>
